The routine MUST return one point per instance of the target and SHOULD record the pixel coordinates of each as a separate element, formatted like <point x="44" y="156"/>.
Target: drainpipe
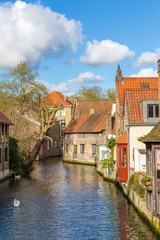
<point x="128" y="152"/>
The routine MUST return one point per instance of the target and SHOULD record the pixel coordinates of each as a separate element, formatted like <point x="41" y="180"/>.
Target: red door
<point x="122" y="163"/>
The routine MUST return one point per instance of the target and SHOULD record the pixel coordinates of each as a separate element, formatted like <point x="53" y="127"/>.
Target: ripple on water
<point x="66" y="201"/>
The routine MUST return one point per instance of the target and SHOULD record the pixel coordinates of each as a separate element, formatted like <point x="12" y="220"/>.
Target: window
<point x="63" y="123"/>
<point x="82" y="147"/>
<point x="6" y="154"/>
<point x="93" y="148"/>
<point x="61" y="144"/>
<point x="25" y="113"/>
<point x="150" y="110"/>
<point x="123" y="152"/>
<point x="144" y="85"/>
<point x="57" y="113"/>
<point x="75" y="149"/>
<point x="67" y="148"/>
<point x="12" y="113"/>
<point x="63" y="113"/>
<point x="153" y="111"/>
<point x="62" y="133"/>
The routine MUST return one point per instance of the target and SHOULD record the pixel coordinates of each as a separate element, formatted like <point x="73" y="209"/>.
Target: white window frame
<point x="57" y="114"/>
<point x="63" y="112"/>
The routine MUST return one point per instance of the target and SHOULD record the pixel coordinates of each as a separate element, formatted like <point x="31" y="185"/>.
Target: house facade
<point x="63" y="117"/>
<point x="86" y="135"/>
<point x="152" y="142"/>
<point x="137" y="112"/>
<point x="4" y="145"/>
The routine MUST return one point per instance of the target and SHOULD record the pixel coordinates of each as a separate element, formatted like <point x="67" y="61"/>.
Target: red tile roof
<point x="123" y="139"/>
<point x="133" y="103"/>
<point x="134" y="83"/>
<point x="4" y="119"/>
<point x="85" y="123"/>
<point x="131" y="94"/>
<point x="55" y="98"/>
<point x="84" y="107"/>
<point x="90" y="123"/>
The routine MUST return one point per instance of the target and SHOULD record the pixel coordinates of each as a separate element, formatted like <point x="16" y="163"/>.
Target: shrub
<point x="16" y="160"/>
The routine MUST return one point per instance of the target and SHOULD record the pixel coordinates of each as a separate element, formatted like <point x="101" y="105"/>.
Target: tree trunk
<point x="31" y="157"/>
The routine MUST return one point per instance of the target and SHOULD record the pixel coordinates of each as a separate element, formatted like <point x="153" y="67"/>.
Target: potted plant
<point x="146" y="180"/>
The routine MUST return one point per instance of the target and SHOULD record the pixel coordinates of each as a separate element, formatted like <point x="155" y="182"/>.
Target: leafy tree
<point x="23" y="93"/>
<point x="94" y="94"/>
<point x="16" y="160"/>
<point x="110" y="94"/>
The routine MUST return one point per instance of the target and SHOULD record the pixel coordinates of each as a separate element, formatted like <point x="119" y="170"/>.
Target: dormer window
<point x="150" y="110"/>
<point x="153" y="111"/>
<point x="144" y="85"/>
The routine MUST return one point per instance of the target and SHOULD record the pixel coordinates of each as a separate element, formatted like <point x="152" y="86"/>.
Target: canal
<point x="67" y="201"/>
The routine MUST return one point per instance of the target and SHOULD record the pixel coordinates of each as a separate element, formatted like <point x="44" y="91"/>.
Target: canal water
<point x="67" y="201"/>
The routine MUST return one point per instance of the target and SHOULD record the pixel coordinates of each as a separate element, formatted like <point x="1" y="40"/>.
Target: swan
<point x="16" y="203"/>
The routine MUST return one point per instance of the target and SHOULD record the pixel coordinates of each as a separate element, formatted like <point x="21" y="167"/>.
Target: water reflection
<point x="67" y="201"/>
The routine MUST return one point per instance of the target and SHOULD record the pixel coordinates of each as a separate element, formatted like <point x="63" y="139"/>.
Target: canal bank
<point x="138" y="202"/>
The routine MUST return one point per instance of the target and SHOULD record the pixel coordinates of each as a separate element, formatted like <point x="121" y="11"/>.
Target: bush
<point x="16" y="160"/>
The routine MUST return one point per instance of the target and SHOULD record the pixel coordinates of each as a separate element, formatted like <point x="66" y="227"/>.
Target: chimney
<point x="119" y="74"/>
<point x="92" y="110"/>
<point x="119" y="83"/>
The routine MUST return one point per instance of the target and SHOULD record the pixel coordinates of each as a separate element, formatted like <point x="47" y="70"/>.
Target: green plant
<point x="146" y="179"/>
<point x="16" y="160"/>
<point x="135" y="185"/>
<point x="110" y="153"/>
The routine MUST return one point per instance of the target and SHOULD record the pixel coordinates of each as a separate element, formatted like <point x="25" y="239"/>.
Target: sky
<point x="75" y="43"/>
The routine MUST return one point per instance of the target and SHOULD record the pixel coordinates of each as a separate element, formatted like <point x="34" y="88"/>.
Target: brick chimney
<point x="118" y="123"/>
<point x="158" y="63"/>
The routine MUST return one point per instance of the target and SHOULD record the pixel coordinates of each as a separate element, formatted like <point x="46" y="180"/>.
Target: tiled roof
<point x="90" y="123"/>
<point x="133" y="103"/>
<point x="123" y="139"/>
<point x="84" y="107"/>
<point x="4" y="119"/>
<point x="134" y="83"/>
<point x="55" y="98"/>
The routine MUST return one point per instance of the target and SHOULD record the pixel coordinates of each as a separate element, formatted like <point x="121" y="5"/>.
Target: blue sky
<point x="80" y="43"/>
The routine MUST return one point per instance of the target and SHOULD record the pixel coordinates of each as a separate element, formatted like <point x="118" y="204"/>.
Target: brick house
<point x="63" y="117"/>
<point x="26" y="126"/>
<point x="87" y="132"/>
<point x="4" y="145"/>
<point x="136" y="114"/>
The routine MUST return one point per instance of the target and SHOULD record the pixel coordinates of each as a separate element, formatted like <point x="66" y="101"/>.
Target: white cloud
<point x="62" y="87"/>
<point x="87" y="77"/>
<point x="147" y="58"/>
<point x="146" y="72"/>
<point x="104" y="53"/>
<point x="31" y="31"/>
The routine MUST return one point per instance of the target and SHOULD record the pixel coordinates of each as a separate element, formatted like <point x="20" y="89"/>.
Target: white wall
<point x="139" y="161"/>
<point x="134" y="133"/>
